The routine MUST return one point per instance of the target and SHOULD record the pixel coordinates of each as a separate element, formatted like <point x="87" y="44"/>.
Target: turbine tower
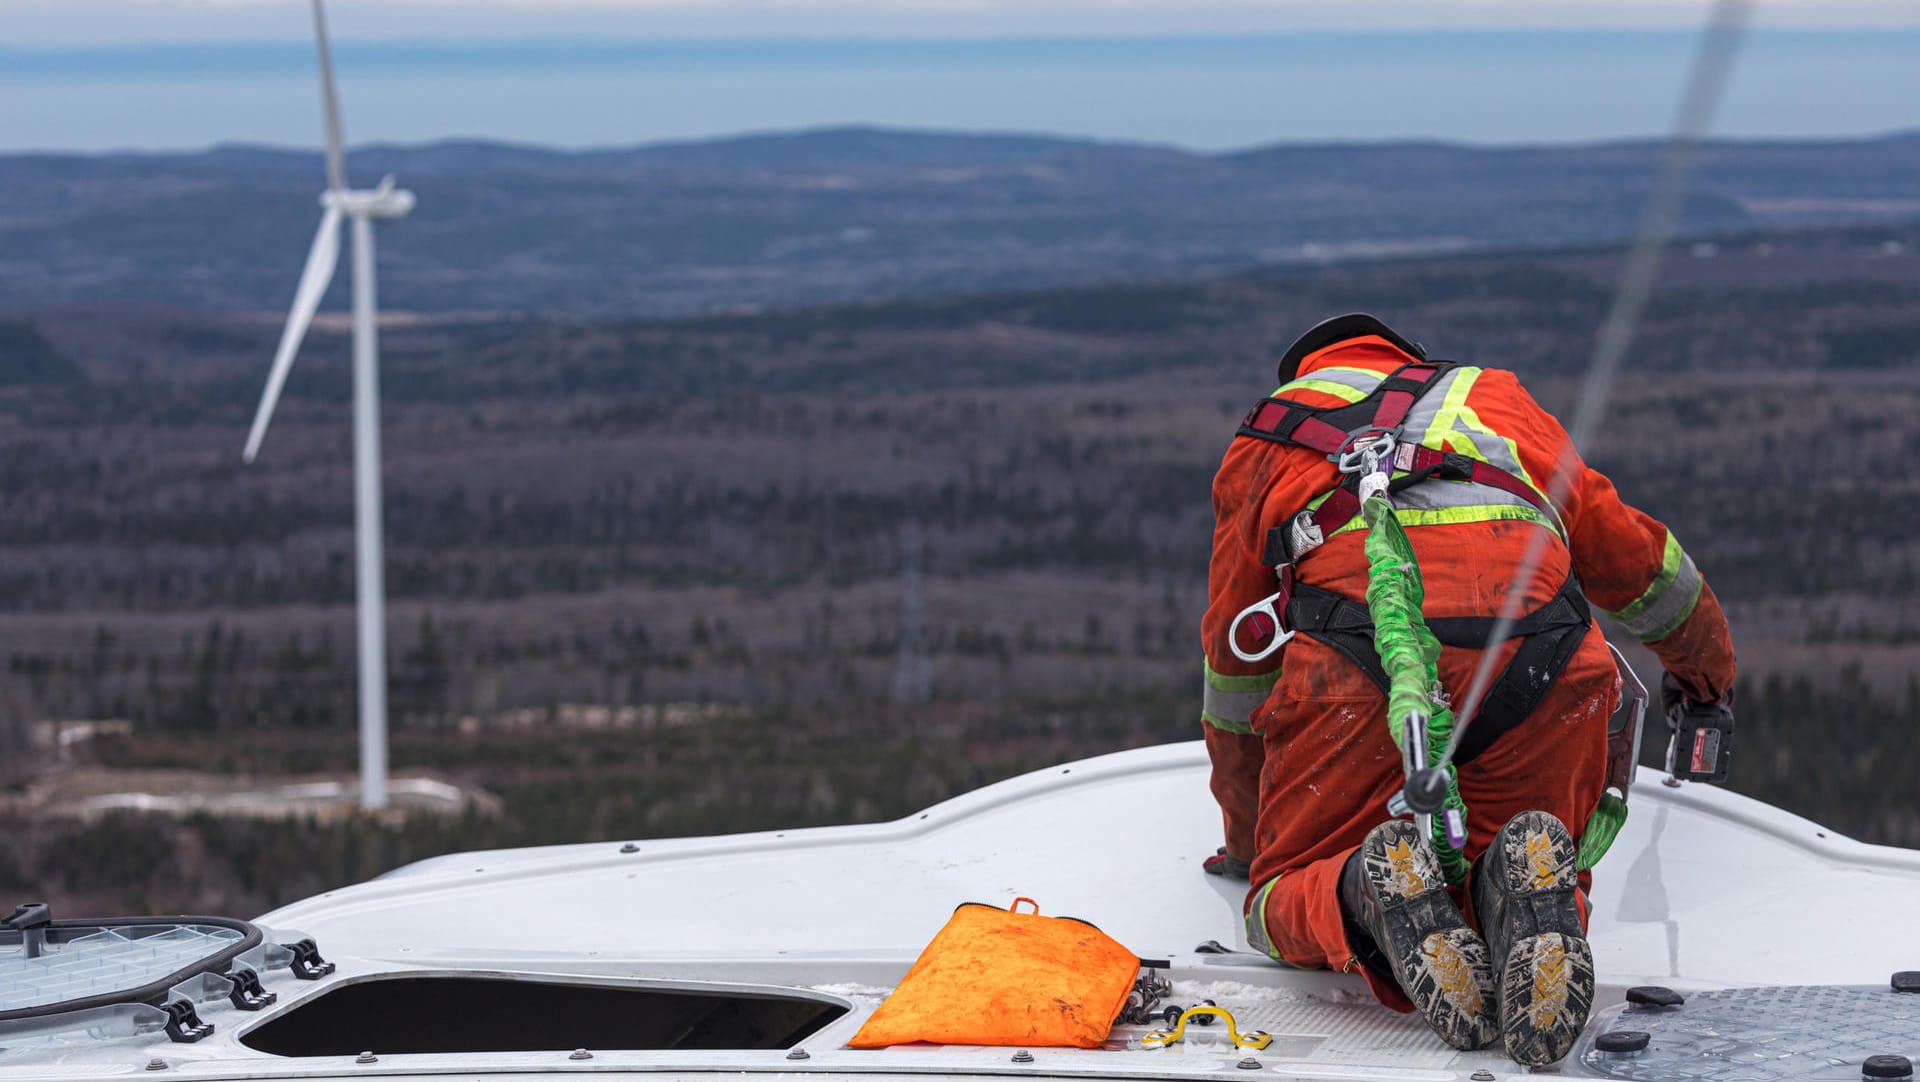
<point x="362" y="207"/>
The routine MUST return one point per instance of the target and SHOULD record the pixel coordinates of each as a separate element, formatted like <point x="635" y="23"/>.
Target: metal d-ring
<point x="1267" y="607"/>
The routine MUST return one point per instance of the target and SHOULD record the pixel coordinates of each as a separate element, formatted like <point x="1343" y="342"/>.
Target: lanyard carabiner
<point x="1370" y="454"/>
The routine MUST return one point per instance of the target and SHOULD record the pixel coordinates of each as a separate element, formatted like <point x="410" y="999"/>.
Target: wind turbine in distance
<point x="362" y="207"/>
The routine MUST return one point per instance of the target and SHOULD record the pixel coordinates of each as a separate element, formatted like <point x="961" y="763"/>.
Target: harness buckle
<point x="1363" y="451"/>
<point x="1455" y="466"/>
<point x="1303" y="536"/>
<point x="1368" y="456"/>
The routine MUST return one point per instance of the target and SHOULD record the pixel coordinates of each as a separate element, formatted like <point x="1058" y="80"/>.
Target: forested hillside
<point x="592" y="524"/>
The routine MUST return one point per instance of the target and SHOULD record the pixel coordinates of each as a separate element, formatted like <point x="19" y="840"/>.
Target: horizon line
<point x="936" y="132"/>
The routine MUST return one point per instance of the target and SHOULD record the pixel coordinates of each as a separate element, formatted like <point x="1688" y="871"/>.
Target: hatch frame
<point x="846" y="1007"/>
<point x="155" y="992"/>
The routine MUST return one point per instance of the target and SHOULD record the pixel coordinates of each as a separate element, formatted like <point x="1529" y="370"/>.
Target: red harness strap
<point x="1327" y="430"/>
<point x="1448" y="466"/>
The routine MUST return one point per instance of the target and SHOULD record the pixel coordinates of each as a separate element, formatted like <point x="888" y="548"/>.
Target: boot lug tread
<point x="1530" y="911"/>
<point x="1438" y="960"/>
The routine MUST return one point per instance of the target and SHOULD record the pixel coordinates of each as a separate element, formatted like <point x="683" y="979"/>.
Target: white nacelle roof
<point x="1703" y="890"/>
<point x="1703" y="887"/>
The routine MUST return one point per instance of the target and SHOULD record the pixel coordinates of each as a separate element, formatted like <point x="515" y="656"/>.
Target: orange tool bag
<point x="1003" y="977"/>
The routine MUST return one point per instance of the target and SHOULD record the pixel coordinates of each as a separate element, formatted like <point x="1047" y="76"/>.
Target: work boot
<point x="1223" y="863"/>
<point x="1523" y="893"/>
<point x="1402" y="924"/>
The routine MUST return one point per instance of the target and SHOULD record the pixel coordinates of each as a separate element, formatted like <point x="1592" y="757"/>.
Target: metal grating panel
<point x="1797" y="1034"/>
<point x="1307" y="1027"/>
<point x="114" y="959"/>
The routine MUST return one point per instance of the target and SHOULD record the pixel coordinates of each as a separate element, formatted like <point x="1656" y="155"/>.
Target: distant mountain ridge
<point x="866" y="146"/>
<point x="860" y="213"/>
<point x="855" y="146"/>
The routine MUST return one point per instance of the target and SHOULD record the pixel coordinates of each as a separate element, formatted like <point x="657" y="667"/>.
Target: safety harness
<point x="1548" y="636"/>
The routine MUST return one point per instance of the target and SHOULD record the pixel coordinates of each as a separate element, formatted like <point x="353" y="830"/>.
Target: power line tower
<point x="913" y="669"/>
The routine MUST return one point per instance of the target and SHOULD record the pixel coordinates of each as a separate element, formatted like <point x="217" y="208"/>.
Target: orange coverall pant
<point x="1322" y="769"/>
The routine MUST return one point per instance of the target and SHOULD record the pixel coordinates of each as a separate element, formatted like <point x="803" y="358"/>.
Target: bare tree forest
<point x="646" y="577"/>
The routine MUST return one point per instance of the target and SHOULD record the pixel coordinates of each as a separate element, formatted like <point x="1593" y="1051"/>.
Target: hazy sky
<point x="49" y="22"/>
<point x="166" y="74"/>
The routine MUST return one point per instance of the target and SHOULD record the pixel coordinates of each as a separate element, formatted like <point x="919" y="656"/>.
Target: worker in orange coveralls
<point x="1303" y="762"/>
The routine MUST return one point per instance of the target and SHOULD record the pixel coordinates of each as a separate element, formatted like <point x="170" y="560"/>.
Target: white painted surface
<point x="1703" y="889"/>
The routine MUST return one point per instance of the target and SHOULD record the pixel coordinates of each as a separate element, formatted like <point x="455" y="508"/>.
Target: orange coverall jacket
<point x="1302" y="761"/>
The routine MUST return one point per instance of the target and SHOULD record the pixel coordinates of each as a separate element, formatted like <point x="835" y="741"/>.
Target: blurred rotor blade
<point x="336" y="142"/>
<point x="1706" y="83"/>
<point x="321" y="261"/>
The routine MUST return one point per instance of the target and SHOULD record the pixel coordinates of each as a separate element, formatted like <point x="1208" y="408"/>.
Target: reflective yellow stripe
<point x="1453" y="516"/>
<point x="1238" y="728"/>
<point x="1446" y="422"/>
<point x="1485" y="512"/>
<point x="1229" y="702"/>
<point x="1347" y="384"/>
<point x="1344" y="393"/>
<point x="1221" y="682"/>
<point x="1668" y="602"/>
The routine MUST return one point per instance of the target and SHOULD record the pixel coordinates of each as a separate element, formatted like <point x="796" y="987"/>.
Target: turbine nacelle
<point x="386" y="201"/>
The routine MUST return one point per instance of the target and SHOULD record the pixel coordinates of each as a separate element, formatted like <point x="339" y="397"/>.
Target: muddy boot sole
<point x="1439" y="961"/>
<point x="1546" y="978"/>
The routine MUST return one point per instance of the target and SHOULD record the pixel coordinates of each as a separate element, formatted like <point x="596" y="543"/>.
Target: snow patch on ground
<point x="853" y="991"/>
<point x="1226" y="993"/>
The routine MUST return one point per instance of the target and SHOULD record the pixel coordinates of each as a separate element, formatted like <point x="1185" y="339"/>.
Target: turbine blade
<point x="321" y="261"/>
<point x="336" y="142"/>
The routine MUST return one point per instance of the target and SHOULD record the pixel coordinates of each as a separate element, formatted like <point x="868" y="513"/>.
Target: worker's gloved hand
<point x="1222" y="864"/>
<point x="1702" y="745"/>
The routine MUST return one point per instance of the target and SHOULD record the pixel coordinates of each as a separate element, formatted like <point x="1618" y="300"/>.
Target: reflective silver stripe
<point x="1229" y="702"/>
<point x="1434" y="494"/>
<point x="1256" y="922"/>
<point x="1671" y="608"/>
<point x="1231" y="710"/>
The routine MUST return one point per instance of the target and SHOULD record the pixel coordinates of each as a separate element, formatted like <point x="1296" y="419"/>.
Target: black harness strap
<point x="1539" y="661"/>
<point x="1344" y="625"/>
<point x="1549" y="636"/>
